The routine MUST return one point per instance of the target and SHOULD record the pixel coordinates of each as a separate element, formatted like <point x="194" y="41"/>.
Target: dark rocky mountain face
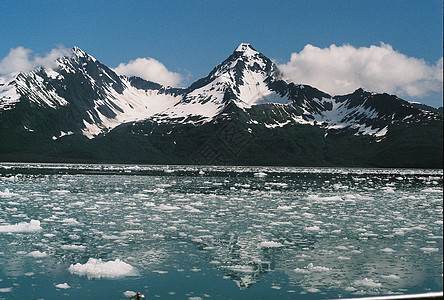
<point x="243" y="112"/>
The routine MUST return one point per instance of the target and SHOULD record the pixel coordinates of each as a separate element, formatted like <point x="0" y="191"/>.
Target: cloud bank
<point x="151" y="70"/>
<point x="342" y="69"/>
<point x="21" y="59"/>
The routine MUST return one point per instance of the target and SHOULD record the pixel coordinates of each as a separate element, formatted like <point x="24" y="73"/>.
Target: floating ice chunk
<point x="6" y="290"/>
<point x="96" y="268"/>
<point x="391" y="276"/>
<point x="260" y="174"/>
<point x="270" y="244"/>
<point x="32" y="226"/>
<point x="313" y="290"/>
<point x="308" y="215"/>
<point x="367" y="282"/>
<point x="7" y="193"/>
<point x="37" y="254"/>
<point x="317" y="268"/>
<point x="168" y="207"/>
<point x="341" y="248"/>
<point x="312" y="228"/>
<point x="429" y="250"/>
<point x="60" y="191"/>
<point x="129" y="294"/>
<point x="388" y="250"/>
<point x="70" y="221"/>
<point x="73" y="247"/>
<point x="388" y="190"/>
<point x="285" y="207"/>
<point x="344" y="257"/>
<point x="63" y="286"/>
<point x="301" y="271"/>
<point x="320" y="198"/>
<point x="431" y="190"/>
<point x="29" y="274"/>
<point x="311" y="268"/>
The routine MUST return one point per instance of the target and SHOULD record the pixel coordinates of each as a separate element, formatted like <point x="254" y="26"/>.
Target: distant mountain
<point x="243" y="112"/>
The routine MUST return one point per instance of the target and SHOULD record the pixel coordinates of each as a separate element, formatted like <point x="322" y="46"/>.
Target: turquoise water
<point x="105" y="231"/>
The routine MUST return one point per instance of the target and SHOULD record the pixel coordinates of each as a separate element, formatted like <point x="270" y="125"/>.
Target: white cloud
<point x="342" y="69"/>
<point x="151" y="70"/>
<point x="21" y="59"/>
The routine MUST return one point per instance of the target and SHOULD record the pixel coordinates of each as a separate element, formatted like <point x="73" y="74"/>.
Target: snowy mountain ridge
<point x="97" y="100"/>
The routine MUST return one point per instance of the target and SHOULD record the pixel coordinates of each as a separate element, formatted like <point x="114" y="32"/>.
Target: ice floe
<point x="6" y="193"/>
<point x="96" y="268"/>
<point x="63" y="286"/>
<point x="73" y="247"/>
<point x="270" y="244"/>
<point x="32" y="226"/>
<point x="37" y="254"/>
<point x="367" y="283"/>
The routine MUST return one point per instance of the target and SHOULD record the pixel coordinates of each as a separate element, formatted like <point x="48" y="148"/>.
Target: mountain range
<point x="243" y="113"/>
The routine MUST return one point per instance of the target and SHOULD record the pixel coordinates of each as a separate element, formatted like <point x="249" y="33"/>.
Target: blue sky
<point x="191" y="37"/>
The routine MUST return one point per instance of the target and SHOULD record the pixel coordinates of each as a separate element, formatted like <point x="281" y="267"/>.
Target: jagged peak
<point x="80" y="53"/>
<point x="246" y="49"/>
<point x="362" y="91"/>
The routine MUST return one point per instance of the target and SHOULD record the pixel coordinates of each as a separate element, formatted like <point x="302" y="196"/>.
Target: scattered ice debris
<point x="6" y="290"/>
<point x="63" y="286"/>
<point x="270" y="244"/>
<point x="37" y="254"/>
<point x="367" y="282"/>
<point x="32" y="226"/>
<point x="96" y="268"/>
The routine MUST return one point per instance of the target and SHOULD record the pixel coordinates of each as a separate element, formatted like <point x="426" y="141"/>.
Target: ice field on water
<point x="106" y="231"/>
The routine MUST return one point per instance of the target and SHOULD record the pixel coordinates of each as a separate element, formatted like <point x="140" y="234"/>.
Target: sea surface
<point x="72" y="231"/>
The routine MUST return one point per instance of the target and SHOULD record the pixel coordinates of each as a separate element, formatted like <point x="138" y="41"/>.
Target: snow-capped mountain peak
<point x="246" y="49"/>
<point x="243" y="79"/>
<point x="79" y="53"/>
